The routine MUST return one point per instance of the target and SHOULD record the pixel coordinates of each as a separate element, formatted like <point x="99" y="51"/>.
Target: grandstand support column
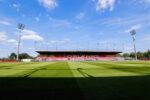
<point x="20" y="27"/>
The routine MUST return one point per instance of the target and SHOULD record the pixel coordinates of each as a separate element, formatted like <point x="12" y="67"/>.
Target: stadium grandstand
<point x="78" y="56"/>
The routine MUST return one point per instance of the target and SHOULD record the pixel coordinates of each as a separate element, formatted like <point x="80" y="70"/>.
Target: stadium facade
<point x="78" y="55"/>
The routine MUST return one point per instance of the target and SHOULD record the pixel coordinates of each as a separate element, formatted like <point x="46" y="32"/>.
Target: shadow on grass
<point x="111" y="88"/>
<point x="83" y="73"/>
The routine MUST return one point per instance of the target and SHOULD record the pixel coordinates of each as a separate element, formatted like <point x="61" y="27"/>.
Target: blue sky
<point x="74" y="25"/>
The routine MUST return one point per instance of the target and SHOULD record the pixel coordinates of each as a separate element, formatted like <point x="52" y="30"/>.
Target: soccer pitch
<point x="74" y="69"/>
<point x="124" y="80"/>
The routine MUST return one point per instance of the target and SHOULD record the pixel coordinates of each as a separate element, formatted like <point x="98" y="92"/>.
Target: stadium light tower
<point x="133" y="33"/>
<point x="20" y="28"/>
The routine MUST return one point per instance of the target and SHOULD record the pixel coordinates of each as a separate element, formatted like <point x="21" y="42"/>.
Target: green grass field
<point x="122" y="80"/>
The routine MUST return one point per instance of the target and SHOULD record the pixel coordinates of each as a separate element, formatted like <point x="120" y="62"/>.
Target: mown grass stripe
<point x="13" y="65"/>
<point x="30" y="72"/>
<point x="58" y="69"/>
<point x="108" y="71"/>
<point x="124" y="68"/>
<point x="19" y="73"/>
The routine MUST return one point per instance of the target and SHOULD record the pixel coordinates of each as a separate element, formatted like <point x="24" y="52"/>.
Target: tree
<point x="4" y="59"/>
<point x="126" y="55"/>
<point x="132" y="54"/>
<point x="148" y="54"/>
<point x="119" y="55"/>
<point x="12" y="56"/>
<point x="140" y="55"/>
<point x="24" y="56"/>
<point x="145" y="54"/>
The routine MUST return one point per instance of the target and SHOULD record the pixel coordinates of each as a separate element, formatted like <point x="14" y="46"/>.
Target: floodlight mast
<point x="20" y="28"/>
<point x="133" y="33"/>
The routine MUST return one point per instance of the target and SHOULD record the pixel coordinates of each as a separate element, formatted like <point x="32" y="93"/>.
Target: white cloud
<point x="60" y="23"/>
<point x="145" y="1"/>
<point x="128" y="49"/>
<point x="49" y="4"/>
<point x="15" y="5"/>
<point x="5" y="23"/>
<point x="67" y="39"/>
<point x="3" y="36"/>
<point x="104" y="4"/>
<point x="134" y="28"/>
<point x="31" y="35"/>
<point x="125" y="21"/>
<point x="80" y="16"/>
<point x="12" y="41"/>
<point x="31" y="48"/>
<point x="102" y="42"/>
<point x="147" y="38"/>
<point x="53" y="42"/>
<point x="37" y="18"/>
<point x="29" y="32"/>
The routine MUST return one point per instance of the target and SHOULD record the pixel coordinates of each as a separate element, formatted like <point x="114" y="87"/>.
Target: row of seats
<point x="76" y="58"/>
